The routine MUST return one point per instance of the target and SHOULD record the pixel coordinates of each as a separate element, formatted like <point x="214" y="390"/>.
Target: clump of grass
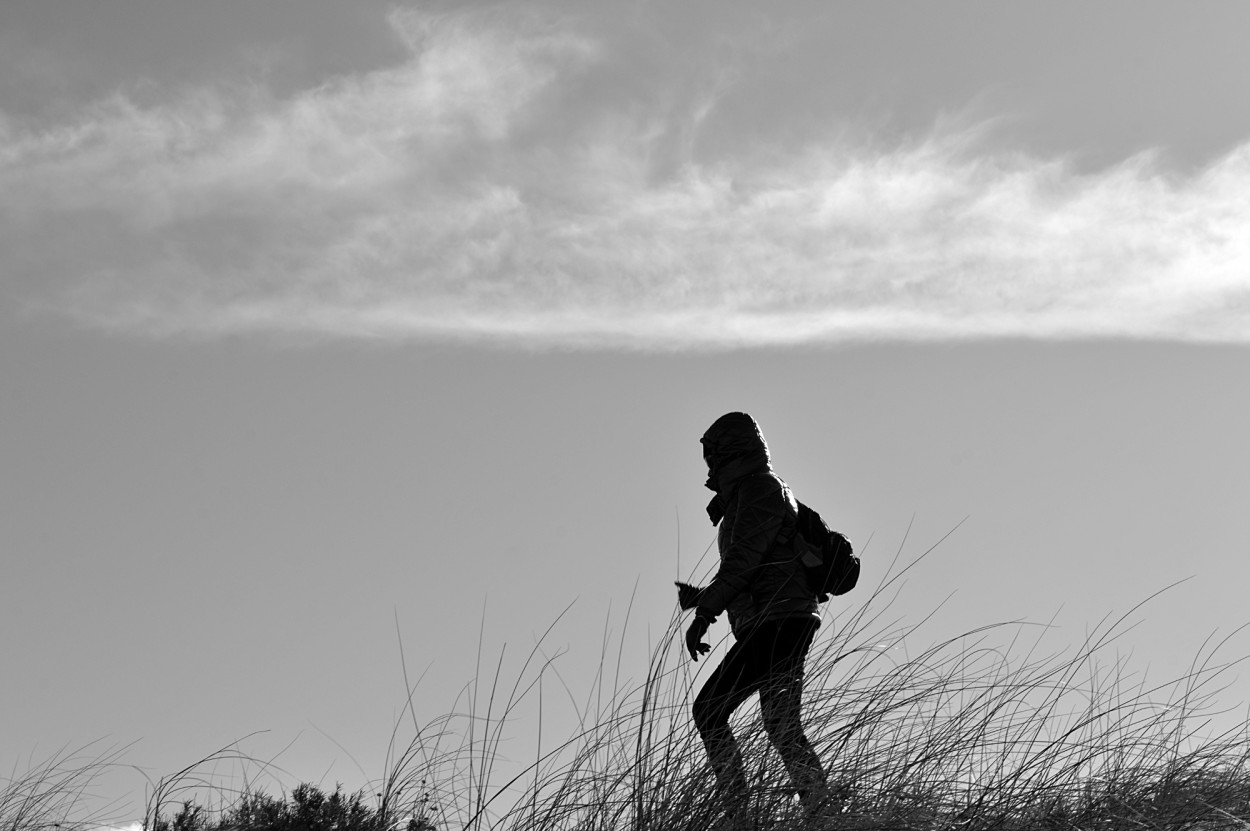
<point x="980" y="731"/>
<point x="987" y="731"/>
<point x="54" y="792"/>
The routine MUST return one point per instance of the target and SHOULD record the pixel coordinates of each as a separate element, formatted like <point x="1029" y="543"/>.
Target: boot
<point x="824" y="804"/>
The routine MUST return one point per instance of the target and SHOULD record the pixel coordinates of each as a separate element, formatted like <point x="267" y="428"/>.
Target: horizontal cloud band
<point x="470" y="193"/>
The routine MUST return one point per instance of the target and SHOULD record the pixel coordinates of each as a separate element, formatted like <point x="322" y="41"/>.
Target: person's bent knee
<point x="709" y="716"/>
<point x="779" y="727"/>
<point x="784" y="726"/>
<point x="703" y="716"/>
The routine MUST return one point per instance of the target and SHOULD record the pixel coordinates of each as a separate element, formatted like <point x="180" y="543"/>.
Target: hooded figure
<point x="771" y="608"/>
<point x="760" y="576"/>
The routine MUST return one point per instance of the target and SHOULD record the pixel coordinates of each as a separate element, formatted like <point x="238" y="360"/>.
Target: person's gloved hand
<point x="694" y="637"/>
<point x="687" y="595"/>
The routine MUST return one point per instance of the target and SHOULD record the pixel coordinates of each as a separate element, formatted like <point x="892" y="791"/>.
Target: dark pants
<point x="769" y="661"/>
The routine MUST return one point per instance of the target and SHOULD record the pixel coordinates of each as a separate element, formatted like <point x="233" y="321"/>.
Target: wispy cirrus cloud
<point x="481" y="190"/>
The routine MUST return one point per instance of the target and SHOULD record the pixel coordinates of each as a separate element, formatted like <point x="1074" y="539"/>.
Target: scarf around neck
<point x="726" y="479"/>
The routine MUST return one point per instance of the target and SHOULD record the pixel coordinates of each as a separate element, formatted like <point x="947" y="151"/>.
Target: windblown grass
<point x="987" y="730"/>
<point x="981" y="731"/>
<point x="55" y="792"/>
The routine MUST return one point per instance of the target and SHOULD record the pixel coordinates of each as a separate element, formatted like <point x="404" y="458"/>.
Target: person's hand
<point x="694" y="638"/>
<point x="687" y="595"/>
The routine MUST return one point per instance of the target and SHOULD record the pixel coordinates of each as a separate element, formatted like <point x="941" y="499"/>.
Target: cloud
<point x="496" y="186"/>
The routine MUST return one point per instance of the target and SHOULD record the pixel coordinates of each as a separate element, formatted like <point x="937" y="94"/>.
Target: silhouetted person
<point x="772" y="612"/>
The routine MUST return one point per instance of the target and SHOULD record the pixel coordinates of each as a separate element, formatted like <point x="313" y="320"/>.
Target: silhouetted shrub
<point x="307" y="808"/>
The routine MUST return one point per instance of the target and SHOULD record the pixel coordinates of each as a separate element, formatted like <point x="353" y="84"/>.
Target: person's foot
<point x="826" y="804"/>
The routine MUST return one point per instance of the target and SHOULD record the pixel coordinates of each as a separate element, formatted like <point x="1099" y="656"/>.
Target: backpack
<point x="830" y="562"/>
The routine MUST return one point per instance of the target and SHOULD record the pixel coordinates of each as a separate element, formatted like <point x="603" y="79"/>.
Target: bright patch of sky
<point x="500" y="181"/>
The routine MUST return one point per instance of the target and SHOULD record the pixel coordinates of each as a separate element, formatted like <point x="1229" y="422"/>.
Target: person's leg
<point x="781" y="703"/>
<point x="730" y="684"/>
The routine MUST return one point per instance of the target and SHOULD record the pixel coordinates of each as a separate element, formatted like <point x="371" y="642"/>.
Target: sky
<point x="327" y="328"/>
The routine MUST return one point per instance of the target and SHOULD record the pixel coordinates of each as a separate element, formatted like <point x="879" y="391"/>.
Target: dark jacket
<point x="760" y="578"/>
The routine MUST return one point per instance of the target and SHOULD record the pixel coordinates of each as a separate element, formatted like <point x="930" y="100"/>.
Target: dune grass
<point x="56" y="792"/>
<point x="987" y="730"/>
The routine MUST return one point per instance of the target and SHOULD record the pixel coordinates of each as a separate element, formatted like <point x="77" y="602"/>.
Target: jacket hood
<point x="734" y="434"/>
<point x="734" y="447"/>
